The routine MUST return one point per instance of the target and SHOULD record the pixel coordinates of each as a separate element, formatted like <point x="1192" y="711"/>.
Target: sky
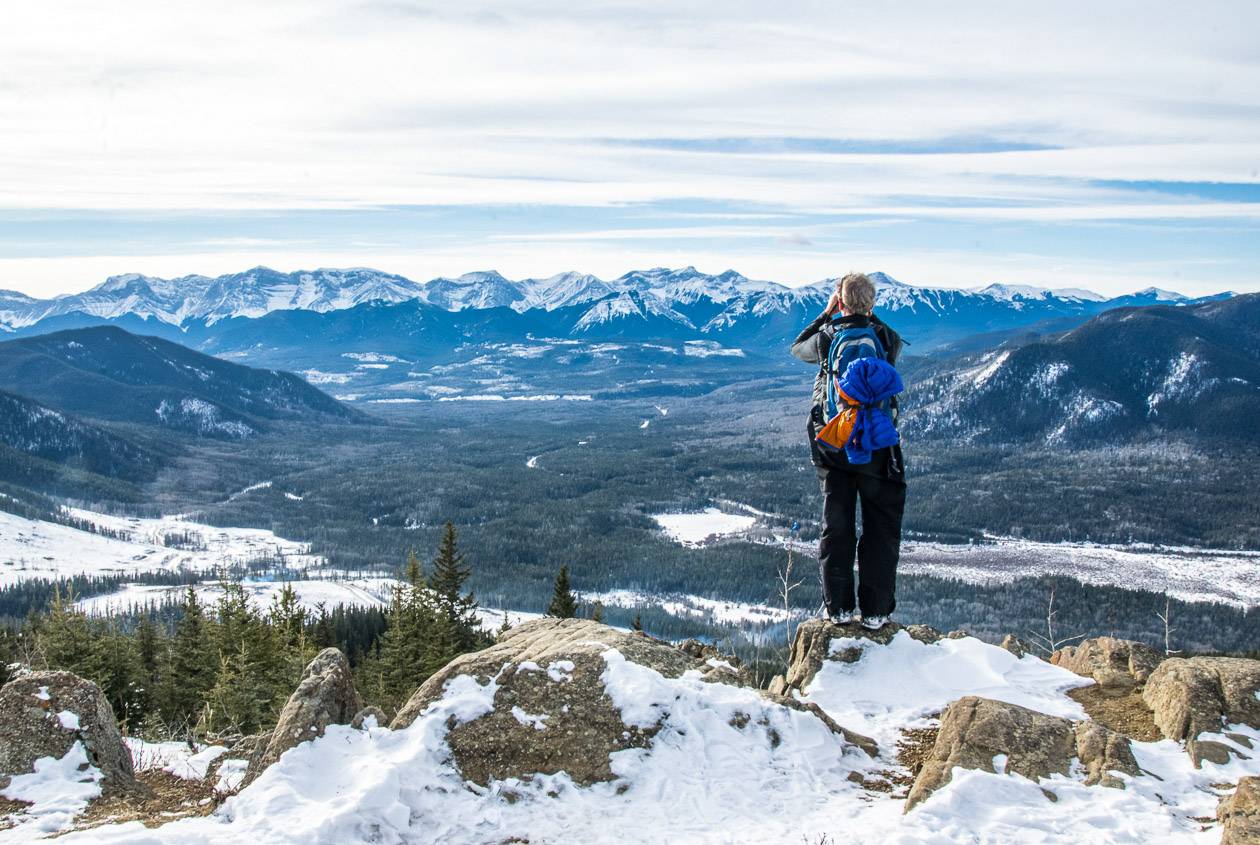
<point x="1107" y="145"/>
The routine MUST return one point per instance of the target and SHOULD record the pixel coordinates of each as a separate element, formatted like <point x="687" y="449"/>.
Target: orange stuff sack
<point x="839" y="428"/>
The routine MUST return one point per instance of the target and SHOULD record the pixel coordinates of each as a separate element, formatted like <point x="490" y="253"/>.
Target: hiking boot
<point x="842" y="617"/>
<point x="874" y="623"/>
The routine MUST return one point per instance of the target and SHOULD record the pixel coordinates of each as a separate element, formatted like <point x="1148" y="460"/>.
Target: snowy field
<point x="724" y="767"/>
<point x="311" y="593"/>
<point x="1215" y="575"/>
<point x="359" y="592"/>
<point x="695" y="607"/>
<point x="1231" y="577"/>
<point x="702" y="527"/>
<point x="33" y="549"/>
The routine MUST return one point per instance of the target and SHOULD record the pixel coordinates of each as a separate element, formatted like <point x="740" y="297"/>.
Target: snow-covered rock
<point x="45" y="715"/>
<point x="325" y="696"/>
<point x="1204" y="695"/>
<point x="1239" y="814"/>
<point x="556" y="706"/>
<point x="996" y="736"/>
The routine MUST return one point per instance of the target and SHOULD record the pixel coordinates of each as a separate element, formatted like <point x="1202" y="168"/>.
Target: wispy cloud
<point x="1043" y="125"/>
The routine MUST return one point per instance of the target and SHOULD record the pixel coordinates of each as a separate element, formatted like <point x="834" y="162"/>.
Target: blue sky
<point x="1110" y="146"/>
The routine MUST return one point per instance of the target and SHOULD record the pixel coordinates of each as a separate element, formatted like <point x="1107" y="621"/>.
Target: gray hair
<point x="857" y="293"/>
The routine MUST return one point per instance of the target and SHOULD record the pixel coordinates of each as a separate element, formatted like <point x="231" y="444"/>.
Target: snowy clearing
<point x="696" y="607"/>
<point x="703" y="527"/>
<point x="35" y="549"/>
<point x="359" y="592"/>
<point x="1218" y="575"/>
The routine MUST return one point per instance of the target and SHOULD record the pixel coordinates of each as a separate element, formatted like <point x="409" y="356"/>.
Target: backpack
<point x="847" y="346"/>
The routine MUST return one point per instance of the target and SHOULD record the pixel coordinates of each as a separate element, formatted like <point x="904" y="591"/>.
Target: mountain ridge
<point x="261" y="290"/>
<point x="106" y="373"/>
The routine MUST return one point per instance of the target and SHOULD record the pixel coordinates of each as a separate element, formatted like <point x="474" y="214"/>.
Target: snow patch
<point x="702" y="527"/>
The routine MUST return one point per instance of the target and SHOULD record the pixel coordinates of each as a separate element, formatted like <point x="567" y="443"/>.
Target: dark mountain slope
<point x="1128" y="373"/>
<point x="107" y="373"/>
<point x="41" y="432"/>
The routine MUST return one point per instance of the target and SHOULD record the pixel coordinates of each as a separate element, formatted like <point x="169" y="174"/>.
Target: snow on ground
<point x="321" y="377"/>
<point x="872" y="696"/>
<point x="174" y="757"/>
<point x="538" y="397"/>
<point x="704" y="779"/>
<point x="532" y="463"/>
<point x="35" y="549"/>
<point x="57" y="790"/>
<point x="709" y="349"/>
<point x="696" y="607"/>
<point x="700" y="528"/>
<point x="491" y="618"/>
<point x="361" y="592"/>
<point x="1191" y="574"/>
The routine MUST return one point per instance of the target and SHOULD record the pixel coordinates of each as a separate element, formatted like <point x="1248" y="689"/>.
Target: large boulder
<point x="812" y="646"/>
<point x="981" y="734"/>
<point x="1191" y="696"/>
<point x="1117" y="665"/>
<point x="551" y="709"/>
<point x="325" y="696"/>
<point x="43" y="714"/>
<point x="1239" y="814"/>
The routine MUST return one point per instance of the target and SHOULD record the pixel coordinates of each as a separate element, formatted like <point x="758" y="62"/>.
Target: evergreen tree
<point x="256" y="670"/>
<point x="289" y="617"/>
<point x="597" y="611"/>
<point x="403" y="660"/>
<point x="456" y="612"/>
<point x="193" y="666"/>
<point x="323" y="636"/>
<point x="563" y="602"/>
<point x="8" y="654"/>
<point x="64" y="638"/>
<point x="637" y="624"/>
<point x="148" y="654"/>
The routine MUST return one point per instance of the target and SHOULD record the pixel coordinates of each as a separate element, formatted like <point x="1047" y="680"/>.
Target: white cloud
<point x="326" y="104"/>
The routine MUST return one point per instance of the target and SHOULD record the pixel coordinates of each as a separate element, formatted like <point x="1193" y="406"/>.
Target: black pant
<point x="883" y="503"/>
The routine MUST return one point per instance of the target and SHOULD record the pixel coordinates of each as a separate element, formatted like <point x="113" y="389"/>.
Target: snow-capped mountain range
<point x="259" y="291"/>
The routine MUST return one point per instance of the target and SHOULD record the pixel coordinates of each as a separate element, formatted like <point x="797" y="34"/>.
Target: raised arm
<point x="810" y="346"/>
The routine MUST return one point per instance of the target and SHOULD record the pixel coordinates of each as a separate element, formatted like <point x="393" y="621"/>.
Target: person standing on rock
<point x="845" y="332"/>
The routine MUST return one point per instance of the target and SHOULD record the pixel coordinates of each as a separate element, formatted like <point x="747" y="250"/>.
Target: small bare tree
<point x="1166" y="618"/>
<point x="785" y="587"/>
<point x="1048" y="642"/>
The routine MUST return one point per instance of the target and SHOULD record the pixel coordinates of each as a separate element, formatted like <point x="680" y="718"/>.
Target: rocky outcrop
<point x="551" y="710"/>
<point x="1015" y="645"/>
<point x="1102" y="752"/>
<point x="978" y="733"/>
<point x="43" y="714"/>
<point x="1239" y="814"/>
<point x="812" y="645"/>
<point x="1191" y="696"/>
<point x="548" y="673"/>
<point x="1117" y="665"/>
<point x="325" y="696"/>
